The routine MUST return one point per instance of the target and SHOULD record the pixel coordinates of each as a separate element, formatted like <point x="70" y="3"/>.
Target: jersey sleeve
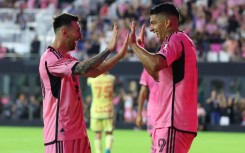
<point x="171" y="50"/>
<point x="62" y="67"/>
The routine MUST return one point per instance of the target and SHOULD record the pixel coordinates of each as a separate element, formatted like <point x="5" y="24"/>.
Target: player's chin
<point x="160" y="39"/>
<point x="72" y="47"/>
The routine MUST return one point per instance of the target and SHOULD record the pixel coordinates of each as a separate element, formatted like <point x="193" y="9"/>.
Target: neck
<point x="60" y="46"/>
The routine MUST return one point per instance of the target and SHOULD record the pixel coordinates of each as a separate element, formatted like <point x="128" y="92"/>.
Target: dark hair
<point x="64" y="19"/>
<point x="165" y="8"/>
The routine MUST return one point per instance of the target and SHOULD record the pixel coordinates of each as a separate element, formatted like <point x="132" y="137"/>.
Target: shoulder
<point x="177" y="36"/>
<point x="51" y="54"/>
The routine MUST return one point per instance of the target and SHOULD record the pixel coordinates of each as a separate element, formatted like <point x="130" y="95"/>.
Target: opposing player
<point x="64" y="126"/>
<point x="102" y="110"/>
<point x="175" y="67"/>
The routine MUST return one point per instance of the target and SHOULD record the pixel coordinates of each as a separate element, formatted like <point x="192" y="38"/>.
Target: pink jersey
<point x="148" y="81"/>
<point x="62" y="101"/>
<point x="178" y="84"/>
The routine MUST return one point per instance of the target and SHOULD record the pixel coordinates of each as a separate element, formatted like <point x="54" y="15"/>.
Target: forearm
<point x="85" y="66"/>
<point x="149" y="60"/>
<point x="105" y="66"/>
<point x="141" y="100"/>
<point x="140" y="106"/>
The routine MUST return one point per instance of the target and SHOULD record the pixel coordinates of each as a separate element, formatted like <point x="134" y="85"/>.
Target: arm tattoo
<point x="84" y="66"/>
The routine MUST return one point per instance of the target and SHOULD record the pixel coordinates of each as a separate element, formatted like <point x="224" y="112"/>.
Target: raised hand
<point x="141" y="36"/>
<point x="113" y="42"/>
<point x="124" y="48"/>
<point x="132" y="36"/>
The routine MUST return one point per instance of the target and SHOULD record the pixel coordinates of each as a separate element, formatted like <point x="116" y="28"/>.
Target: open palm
<point x="113" y="42"/>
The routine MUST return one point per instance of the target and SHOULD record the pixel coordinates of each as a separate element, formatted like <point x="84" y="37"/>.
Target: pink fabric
<point x="215" y="47"/>
<point x="45" y="3"/>
<point x="31" y="3"/>
<point x="232" y="3"/>
<point x="148" y="81"/>
<point x="178" y="3"/>
<point x="211" y="27"/>
<point x="3" y="52"/>
<point x="70" y="146"/>
<point x="61" y="98"/>
<point x="178" y="100"/>
<point x="200" y="22"/>
<point x="181" y="142"/>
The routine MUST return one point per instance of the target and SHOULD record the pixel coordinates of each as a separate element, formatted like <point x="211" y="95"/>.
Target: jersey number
<point x="106" y="91"/>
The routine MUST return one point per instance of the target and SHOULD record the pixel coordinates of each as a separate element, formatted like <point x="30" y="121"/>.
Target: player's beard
<point x="72" y="45"/>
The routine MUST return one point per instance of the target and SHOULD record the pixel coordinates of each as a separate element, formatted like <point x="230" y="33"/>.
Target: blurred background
<point x="217" y="28"/>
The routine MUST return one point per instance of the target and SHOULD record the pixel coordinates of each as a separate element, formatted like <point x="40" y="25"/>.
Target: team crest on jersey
<point x="62" y="130"/>
<point x="161" y="144"/>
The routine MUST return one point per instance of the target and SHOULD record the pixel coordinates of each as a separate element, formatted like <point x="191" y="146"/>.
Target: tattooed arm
<point x="83" y="67"/>
<point x="108" y="64"/>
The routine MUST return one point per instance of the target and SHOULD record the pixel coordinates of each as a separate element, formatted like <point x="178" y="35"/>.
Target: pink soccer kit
<point x="148" y="81"/>
<point x="177" y="105"/>
<point x="62" y="102"/>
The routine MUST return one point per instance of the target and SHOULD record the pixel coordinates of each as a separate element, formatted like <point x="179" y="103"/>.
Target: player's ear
<point x="64" y="32"/>
<point x="167" y="22"/>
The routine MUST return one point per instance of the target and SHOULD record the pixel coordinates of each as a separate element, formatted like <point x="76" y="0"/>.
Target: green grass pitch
<point x="29" y="140"/>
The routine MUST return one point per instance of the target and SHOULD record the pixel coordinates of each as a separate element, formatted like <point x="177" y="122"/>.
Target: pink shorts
<point x="69" y="146"/>
<point x="170" y="140"/>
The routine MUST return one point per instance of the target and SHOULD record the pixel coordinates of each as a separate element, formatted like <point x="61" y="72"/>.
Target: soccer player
<point x="175" y="67"/>
<point x="102" y="110"/>
<point x="148" y="89"/>
<point x="64" y="126"/>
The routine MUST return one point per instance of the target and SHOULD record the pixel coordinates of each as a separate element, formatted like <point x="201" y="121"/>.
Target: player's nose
<point x="80" y="36"/>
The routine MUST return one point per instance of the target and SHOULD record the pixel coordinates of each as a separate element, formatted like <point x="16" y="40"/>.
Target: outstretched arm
<point x="84" y="67"/>
<point x="141" y="100"/>
<point x="108" y="64"/>
<point x="151" y="62"/>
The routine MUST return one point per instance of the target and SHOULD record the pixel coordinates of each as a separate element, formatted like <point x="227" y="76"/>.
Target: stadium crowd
<point x="217" y="27"/>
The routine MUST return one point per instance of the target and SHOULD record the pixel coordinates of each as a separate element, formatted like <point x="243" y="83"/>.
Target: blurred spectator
<point x="31" y="4"/>
<point x="3" y="51"/>
<point x="119" y="100"/>
<point x="6" y="106"/>
<point x="129" y="113"/>
<point x="224" y="112"/>
<point x="86" y="108"/>
<point x="93" y="45"/>
<point x="45" y="3"/>
<point x="213" y="107"/>
<point x="35" y="47"/>
<point x="152" y="46"/>
<point x="20" y="107"/>
<point x="231" y="46"/>
<point x="243" y="118"/>
<point x="21" y="19"/>
<point x="34" y="107"/>
<point x="201" y="113"/>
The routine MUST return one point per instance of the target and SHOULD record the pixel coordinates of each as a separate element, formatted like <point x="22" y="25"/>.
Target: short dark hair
<point x="64" y="19"/>
<point x="165" y="8"/>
